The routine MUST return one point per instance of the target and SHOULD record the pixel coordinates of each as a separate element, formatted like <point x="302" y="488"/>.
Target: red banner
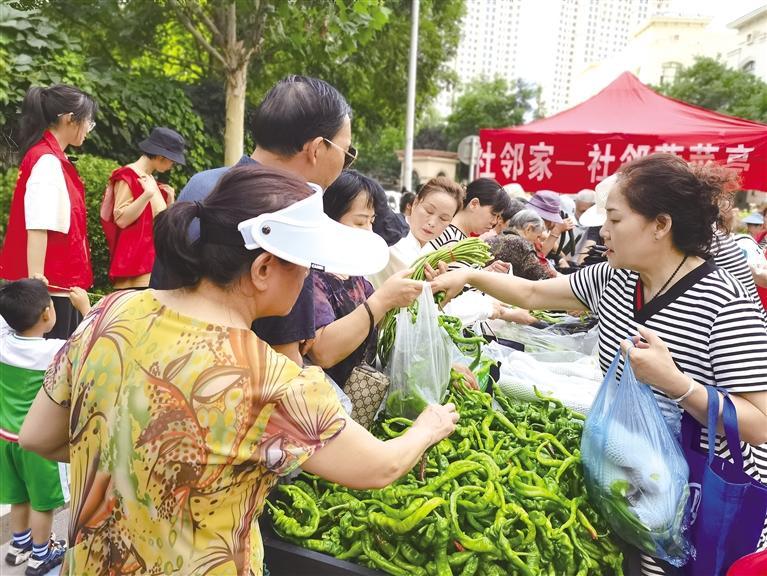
<point x="567" y="163"/>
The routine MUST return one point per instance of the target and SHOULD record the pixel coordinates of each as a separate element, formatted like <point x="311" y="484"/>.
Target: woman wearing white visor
<point x="177" y="419"/>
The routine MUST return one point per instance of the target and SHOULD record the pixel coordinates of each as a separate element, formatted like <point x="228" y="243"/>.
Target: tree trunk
<point x="236" y="82"/>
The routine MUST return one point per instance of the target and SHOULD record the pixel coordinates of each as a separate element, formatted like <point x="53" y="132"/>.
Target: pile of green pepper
<point x="503" y="495"/>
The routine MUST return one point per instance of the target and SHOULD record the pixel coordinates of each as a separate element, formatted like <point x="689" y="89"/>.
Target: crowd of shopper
<point x="179" y="407"/>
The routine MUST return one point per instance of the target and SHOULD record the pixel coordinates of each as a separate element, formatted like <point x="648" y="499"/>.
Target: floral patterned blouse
<point x="178" y="430"/>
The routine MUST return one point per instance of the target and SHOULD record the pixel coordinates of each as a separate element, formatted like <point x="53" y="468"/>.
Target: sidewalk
<point x="60" y="521"/>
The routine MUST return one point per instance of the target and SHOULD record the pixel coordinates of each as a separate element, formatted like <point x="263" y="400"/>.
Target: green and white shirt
<point x="23" y="362"/>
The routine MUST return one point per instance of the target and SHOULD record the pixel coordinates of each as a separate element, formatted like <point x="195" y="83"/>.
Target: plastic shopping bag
<point x="634" y="468"/>
<point x="419" y="368"/>
<point x="551" y="339"/>
<point x="571" y="377"/>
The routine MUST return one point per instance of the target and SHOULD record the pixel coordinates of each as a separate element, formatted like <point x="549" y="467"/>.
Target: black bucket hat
<point x="165" y="142"/>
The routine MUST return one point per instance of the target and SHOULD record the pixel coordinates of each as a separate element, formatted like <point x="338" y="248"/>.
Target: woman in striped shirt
<point x="700" y="326"/>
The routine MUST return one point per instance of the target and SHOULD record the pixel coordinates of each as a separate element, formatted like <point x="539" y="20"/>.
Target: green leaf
<point x="23" y="60"/>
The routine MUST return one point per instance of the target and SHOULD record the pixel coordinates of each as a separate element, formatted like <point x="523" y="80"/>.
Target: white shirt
<point x="401" y="256"/>
<point x="749" y="247"/>
<point x="46" y="201"/>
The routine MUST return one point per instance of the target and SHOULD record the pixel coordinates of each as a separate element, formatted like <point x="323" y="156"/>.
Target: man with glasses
<point x="303" y="126"/>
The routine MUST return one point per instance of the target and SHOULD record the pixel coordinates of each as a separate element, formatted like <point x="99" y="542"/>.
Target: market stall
<point x="505" y="494"/>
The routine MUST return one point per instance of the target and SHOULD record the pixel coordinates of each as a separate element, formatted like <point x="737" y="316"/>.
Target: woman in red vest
<point x="47" y="232"/>
<point x="132" y="200"/>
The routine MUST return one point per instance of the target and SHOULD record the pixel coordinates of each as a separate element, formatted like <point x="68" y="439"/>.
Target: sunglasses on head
<point x="350" y="155"/>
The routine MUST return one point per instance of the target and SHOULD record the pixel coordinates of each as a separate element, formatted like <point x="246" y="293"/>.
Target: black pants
<point x="67" y="318"/>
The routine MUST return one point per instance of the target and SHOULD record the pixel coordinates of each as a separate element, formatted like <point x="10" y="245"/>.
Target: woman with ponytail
<point x="182" y="419"/>
<point x="46" y="233"/>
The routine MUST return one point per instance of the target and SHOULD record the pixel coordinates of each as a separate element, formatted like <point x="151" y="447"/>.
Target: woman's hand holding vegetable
<point x="398" y="291"/>
<point x="439" y="421"/>
<point x="468" y="376"/>
<point x="451" y="283"/>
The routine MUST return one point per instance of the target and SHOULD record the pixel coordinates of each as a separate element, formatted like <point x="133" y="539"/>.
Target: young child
<point x="32" y="485"/>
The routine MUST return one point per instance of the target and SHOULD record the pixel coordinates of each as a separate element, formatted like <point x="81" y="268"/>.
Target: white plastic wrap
<point x="571" y="377"/>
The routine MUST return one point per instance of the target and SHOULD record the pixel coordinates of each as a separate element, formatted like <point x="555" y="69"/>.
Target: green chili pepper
<point x="300" y="501"/>
<point x="405" y="525"/>
<point x="460" y="558"/>
<point x="478" y="544"/>
<point x="441" y="543"/>
<point x="381" y="562"/>
<point x="511" y="555"/>
<point x="471" y="566"/>
<point x="352" y="552"/>
<point x="454" y="470"/>
<point x="412" y="555"/>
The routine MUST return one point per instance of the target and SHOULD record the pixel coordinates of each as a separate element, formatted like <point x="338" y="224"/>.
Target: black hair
<point x="243" y="192"/>
<point x="296" y="110"/>
<point x="22" y="302"/>
<point x="691" y="195"/>
<point x="43" y="107"/>
<point x="342" y="192"/>
<point x="405" y="200"/>
<point x="489" y="193"/>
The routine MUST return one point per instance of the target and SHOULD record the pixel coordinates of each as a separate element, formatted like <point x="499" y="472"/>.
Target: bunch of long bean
<point x="470" y="251"/>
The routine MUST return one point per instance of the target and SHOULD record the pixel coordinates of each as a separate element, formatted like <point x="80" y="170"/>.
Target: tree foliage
<point x="145" y="68"/>
<point x="372" y="73"/>
<point x="711" y="84"/>
<point x="489" y="104"/>
<point x="34" y="51"/>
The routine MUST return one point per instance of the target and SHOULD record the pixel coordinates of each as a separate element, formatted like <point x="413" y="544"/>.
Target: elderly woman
<point x="177" y="419"/>
<point x="517" y="247"/>
<point x="548" y="205"/>
<point x="700" y="327"/>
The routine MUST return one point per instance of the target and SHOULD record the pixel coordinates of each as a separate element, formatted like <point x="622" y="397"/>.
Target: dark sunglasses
<point x="350" y="154"/>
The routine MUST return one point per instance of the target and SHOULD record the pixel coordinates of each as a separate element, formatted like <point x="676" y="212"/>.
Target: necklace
<point x="670" y="278"/>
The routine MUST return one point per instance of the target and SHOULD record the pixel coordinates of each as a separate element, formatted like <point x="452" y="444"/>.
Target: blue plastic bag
<point x="634" y="468"/>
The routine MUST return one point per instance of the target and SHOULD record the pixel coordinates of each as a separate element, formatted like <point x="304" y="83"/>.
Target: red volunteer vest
<point x="68" y="256"/>
<point x="131" y="248"/>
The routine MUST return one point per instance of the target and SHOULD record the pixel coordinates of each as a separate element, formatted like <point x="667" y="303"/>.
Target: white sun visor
<point x="597" y="214"/>
<point x="303" y="234"/>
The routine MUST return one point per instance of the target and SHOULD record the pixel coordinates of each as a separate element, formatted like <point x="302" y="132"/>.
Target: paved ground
<point x="60" y="521"/>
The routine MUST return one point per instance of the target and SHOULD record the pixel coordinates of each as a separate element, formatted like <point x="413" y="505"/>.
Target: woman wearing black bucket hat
<point x="131" y="201"/>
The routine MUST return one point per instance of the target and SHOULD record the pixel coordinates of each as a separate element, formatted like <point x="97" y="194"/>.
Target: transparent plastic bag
<point x="551" y="339"/>
<point x="571" y="377"/>
<point x="635" y="471"/>
<point x="419" y="368"/>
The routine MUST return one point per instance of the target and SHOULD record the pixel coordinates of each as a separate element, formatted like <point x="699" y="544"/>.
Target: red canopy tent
<point x="581" y="146"/>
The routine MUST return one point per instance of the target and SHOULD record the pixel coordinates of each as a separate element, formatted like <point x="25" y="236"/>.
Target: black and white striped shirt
<point x="728" y="256"/>
<point x="451" y="235"/>
<point x="711" y="325"/>
<point x="708" y="321"/>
